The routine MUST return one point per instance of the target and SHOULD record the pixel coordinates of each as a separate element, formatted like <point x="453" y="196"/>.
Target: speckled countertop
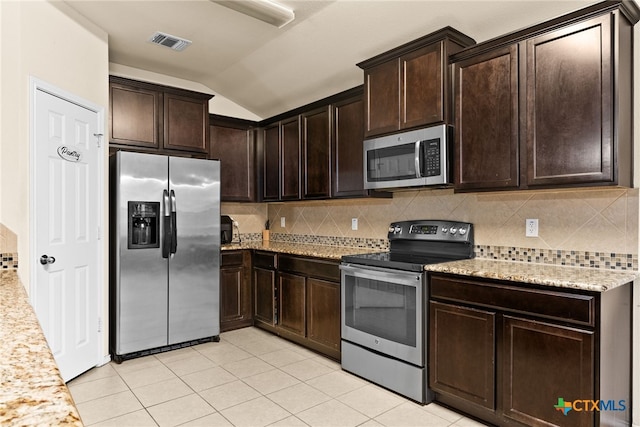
<point x="587" y="279"/>
<point x="31" y="389"/>
<point x="318" y="251"/>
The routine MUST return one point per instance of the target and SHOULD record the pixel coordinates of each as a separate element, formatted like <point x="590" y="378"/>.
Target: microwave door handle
<point x="166" y="224"/>
<point x="417" y="159"/>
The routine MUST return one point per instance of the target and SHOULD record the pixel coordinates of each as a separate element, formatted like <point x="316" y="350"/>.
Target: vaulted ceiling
<point x="268" y="70"/>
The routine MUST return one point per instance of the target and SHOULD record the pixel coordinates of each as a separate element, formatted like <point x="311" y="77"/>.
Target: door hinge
<point x="99" y="233"/>
<point x="99" y="138"/>
<point x="99" y="324"/>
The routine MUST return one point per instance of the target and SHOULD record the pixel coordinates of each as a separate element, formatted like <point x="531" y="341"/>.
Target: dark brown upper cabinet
<point x="280" y="152"/>
<point x="348" y="137"/>
<point x="232" y="141"/>
<point x="316" y="153"/>
<point x="486" y="120"/>
<point x="548" y="106"/>
<point x="271" y="162"/>
<point x="408" y="87"/>
<point x="290" y="161"/>
<point x="148" y="116"/>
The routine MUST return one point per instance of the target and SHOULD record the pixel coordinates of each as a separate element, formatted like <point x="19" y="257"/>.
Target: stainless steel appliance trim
<point x="403" y="378"/>
<point x="442" y="132"/>
<point x="414" y="355"/>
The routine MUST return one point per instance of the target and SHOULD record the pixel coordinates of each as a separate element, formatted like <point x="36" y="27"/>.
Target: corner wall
<point x="51" y="42"/>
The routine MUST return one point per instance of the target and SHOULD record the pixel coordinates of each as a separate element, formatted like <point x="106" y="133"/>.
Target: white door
<point x="66" y="243"/>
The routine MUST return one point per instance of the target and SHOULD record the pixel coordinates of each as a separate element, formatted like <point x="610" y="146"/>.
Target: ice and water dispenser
<point x="144" y="227"/>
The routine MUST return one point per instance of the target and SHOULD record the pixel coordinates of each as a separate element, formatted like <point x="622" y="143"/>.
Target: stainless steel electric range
<point x="384" y="303"/>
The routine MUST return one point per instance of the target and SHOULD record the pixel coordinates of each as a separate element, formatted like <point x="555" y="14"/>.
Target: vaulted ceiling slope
<point x="268" y="70"/>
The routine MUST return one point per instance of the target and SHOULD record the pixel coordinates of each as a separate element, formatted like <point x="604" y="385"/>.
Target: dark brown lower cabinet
<point x="235" y="290"/>
<point x="264" y="284"/>
<point x="554" y="361"/>
<point x="463" y="350"/>
<point x="323" y="315"/>
<point x="306" y="293"/>
<point x="512" y="353"/>
<point x="292" y="303"/>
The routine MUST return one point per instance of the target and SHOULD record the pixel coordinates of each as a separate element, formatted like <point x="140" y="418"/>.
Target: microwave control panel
<point x="430" y="157"/>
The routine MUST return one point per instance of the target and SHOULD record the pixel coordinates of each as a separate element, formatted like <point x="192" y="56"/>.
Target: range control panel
<point x="435" y="230"/>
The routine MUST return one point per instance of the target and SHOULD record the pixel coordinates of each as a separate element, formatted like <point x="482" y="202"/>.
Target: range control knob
<point x="453" y="230"/>
<point x="445" y="230"/>
<point x="398" y="229"/>
<point x="391" y="229"/>
<point x="463" y="231"/>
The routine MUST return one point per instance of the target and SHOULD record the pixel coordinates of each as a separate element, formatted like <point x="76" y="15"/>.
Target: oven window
<point x="392" y="163"/>
<point x="382" y="309"/>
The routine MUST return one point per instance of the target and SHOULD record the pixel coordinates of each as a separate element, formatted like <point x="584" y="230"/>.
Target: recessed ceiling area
<point x="269" y="70"/>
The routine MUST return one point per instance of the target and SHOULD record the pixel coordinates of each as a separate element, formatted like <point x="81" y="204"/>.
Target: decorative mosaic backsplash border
<point x="352" y="242"/>
<point x="8" y="261"/>
<point x="601" y="260"/>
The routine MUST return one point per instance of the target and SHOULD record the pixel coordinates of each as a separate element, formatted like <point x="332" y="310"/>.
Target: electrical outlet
<point x="283" y="222"/>
<point x="531" y="228"/>
<point x="354" y="223"/>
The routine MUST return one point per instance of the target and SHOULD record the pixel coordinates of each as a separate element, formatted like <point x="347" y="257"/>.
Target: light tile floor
<point x="249" y="378"/>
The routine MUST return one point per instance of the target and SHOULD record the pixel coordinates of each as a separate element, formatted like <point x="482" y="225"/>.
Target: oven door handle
<point x="382" y="274"/>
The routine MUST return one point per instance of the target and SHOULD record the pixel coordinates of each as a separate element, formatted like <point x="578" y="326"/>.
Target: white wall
<point x="50" y="42"/>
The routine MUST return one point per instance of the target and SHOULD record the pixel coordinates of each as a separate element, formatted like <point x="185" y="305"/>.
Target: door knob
<point x="44" y="260"/>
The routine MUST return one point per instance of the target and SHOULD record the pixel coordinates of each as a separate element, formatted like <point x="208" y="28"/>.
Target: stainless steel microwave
<point x="414" y="158"/>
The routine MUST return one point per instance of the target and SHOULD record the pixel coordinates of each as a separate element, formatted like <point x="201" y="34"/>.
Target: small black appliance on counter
<point x="226" y="229"/>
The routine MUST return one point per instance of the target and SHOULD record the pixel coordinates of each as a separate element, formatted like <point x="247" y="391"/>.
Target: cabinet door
<point x="462" y="353"/>
<point x="186" y="123"/>
<point x="235" y="149"/>
<point x="382" y="98"/>
<point x="235" y="290"/>
<point x="323" y="308"/>
<point x="232" y="306"/>
<point x="271" y="163"/>
<point x="134" y="116"/>
<point x="569" y="107"/>
<point x="316" y="149"/>
<point x="348" y="173"/>
<point x="543" y="363"/>
<point x="265" y="296"/>
<point x="486" y="121"/>
<point x="291" y="303"/>
<point x="421" y="98"/>
<point x="290" y="161"/>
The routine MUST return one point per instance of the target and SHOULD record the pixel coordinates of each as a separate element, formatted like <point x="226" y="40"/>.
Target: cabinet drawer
<point x="268" y="260"/>
<point x="322" y="269"/>
<point x="574" y="308"/>
<point x="231" y="258"/>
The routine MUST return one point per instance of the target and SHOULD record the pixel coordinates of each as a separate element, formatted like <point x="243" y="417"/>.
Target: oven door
<point x="383" y="310"/>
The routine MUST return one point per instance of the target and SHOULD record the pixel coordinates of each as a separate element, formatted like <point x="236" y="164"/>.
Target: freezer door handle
<point x="166" y="223"/>
<point x="174" y="230"/>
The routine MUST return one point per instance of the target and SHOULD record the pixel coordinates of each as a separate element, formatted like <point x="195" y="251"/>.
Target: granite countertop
<point x="31" y="389"/>
<point x="587" y="279"/>
<point x="318" y="251"/>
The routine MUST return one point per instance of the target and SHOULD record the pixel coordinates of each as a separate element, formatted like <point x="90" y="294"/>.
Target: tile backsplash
<point x="592" y="227"/>
<point x="8" y="248"/>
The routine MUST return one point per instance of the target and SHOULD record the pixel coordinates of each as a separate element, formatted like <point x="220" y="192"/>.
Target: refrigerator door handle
<point x="166" y="222"/>
<point x="174" y="230"/>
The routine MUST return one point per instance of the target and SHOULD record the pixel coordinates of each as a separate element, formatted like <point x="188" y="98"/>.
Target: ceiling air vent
<point x="175" y="43"/>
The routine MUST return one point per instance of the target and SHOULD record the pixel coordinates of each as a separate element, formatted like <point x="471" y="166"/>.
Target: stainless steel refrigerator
<point x="165" y="253"/>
